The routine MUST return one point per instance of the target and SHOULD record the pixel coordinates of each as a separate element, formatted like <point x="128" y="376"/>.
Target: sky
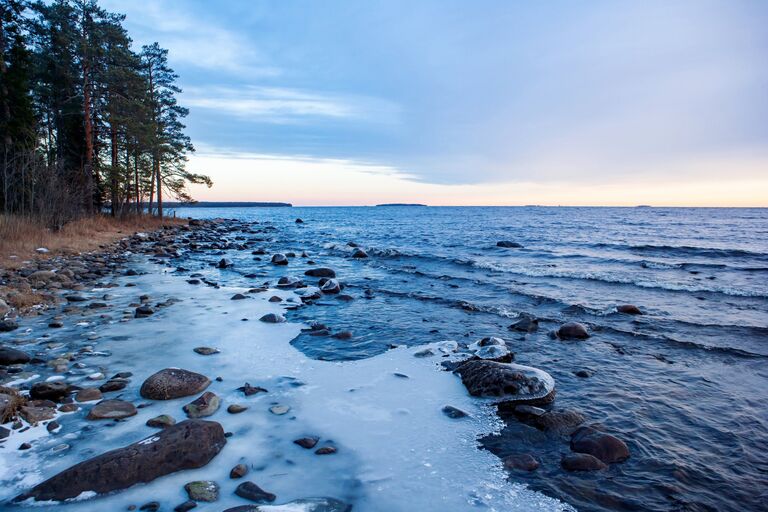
<point x="470" y="103"/>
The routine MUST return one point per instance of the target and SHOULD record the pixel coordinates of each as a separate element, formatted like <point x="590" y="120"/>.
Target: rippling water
<point x="684" y="384"/>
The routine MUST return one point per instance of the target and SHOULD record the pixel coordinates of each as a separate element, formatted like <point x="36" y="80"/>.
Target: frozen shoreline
<point x="396" y="450"/>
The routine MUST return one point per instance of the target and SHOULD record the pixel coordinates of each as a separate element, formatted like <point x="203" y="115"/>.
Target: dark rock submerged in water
<point x="320" y="272"/>
<point x="581" y="462"/>
<point x="515" y="384"/>
<point x="187" y="445"/>
<point x="251" y="491"/>
<point x="173" y="383"/>
<point x="573" y="331"/>
<point x="508" y="244"/>
<point x="10" y="355"/>
<point x="629" y="309"/>
<point x="526" y="323"/>
<point x="597" y="443"/>
<point x="8" y="325"/>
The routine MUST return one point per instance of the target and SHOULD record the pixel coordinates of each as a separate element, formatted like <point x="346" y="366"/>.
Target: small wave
<point x="666" y="250"/>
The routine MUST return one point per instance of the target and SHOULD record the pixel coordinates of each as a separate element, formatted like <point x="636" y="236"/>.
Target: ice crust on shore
<point x="396" y="450"/>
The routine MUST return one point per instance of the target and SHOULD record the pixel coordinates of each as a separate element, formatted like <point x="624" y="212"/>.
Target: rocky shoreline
<point x="485" y="368"/>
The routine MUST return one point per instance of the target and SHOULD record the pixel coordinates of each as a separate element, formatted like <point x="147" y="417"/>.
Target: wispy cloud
<point x="285" y="105"/>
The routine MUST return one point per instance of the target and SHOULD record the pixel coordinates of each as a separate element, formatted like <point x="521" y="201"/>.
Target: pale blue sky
<point x="547" y="94"/>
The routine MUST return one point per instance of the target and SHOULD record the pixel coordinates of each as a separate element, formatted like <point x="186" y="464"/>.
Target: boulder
<point x="36" y="413"/>
<point x="162" y="421"/>
<point x="525" y="323"/>
<point x="202" y="490"/>
<point x="454" y="412"/>
<point x="287" y="282"/>
<point x="204" y="405"/>
<point x="597" y="443"/>
<point x="10" y="355"/>
<point x="238" y="471"/>
<point x="581" y="462"/>
<point x="562" y="421"/>
<point x="88" y="395"/>
<point x="360" y="254"/>
<point x="54" y="391"/>
<point x="188" y="445"/>
<point x="508" y="244"/>
<point x="512" y="383"/>
<point x="279" y="259"/>
<point x="224" y="263"/>
<point x="8" y="325"/>
<point x="272" y="318"/>
<point x="572" y="331"/>
<point x="331" y="286"/>
<point x="320" y="272"/>
<point x="629" y="309"/>
<point x="112" y="410"/>
<point x="144" y="311"/>
<point x="173" y="383"/>
<point x="252" y="492"/>
<point x="302" y="504"/>
<point x="521" y="461"/>
<point x="307" y="442"/>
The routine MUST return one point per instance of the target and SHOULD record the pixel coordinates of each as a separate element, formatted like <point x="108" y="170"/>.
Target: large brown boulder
<point x="601" y="445"/>
<point x="187" y="445"/>
<point x="173" y="383"/>
<point x="573" y="331"/>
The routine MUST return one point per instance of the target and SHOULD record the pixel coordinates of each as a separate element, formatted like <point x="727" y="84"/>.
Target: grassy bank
<point x="20" y="237"/>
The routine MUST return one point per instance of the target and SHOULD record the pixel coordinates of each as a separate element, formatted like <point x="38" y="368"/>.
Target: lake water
<point x="685" y="384"/>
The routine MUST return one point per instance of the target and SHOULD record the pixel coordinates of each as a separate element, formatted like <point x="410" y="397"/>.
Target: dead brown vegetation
<point x="21" y="236"/>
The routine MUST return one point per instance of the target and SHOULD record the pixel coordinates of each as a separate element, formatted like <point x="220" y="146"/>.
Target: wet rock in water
<point x="508" y="244"/>
<point x="113" y="385"/>
<point x="299" y="221"/>
<point x="272" y="318"/>
<point x="562" y="421"/>
<point x="239" y="471"/>
<point x="10" y="356"/>
<point x="35" y="413"/>
<point x="204" y="405"/>
<point x="581" y="462"/>
<point x="288" y="282"/>
<point x="525" y="323"/>
<point x="583" y="374"/>
<point x="249" y="390"/>
<point x="326" y="450"/>
<point x="202" y="490"/>
<point x="629" y="309"/>
<point x="597" y="443"/>
<point x="252" y="492"/>
<point x="162" y="421"/>
<point x="56" y="324"/>
<point x="112" y="410"/>
<point x="236" y="409"/>
<point x="275" y="298"/>
<point x="238" y="296"/>
<point x="513" y="383"/>
<point x="308" y="442"/>
<point x="321" y="272"/>
<point x="144" y="311"/>
<point x="187" y="445"/>
<point x="359" y="253"/>
<point x="8" y="325"/>
<point x="55" y="390"/>
<point x="343" y="335"/>
<point x="206" y="351"/>
<point x="521" y="461"/>
<point x="302" y="505"/>
<point x="173" y="383"/>
<point x="331" y="286"/>
<point x="279" y="410"/>
<point x="453" y="412"/>
<point x="224" y="263"/>
<point x="279" y="259"/>
<point x="88" y="395"/>
<point x="185" y="507"/>
<point x="75" y="298"/>
<point x="572" y="331"/>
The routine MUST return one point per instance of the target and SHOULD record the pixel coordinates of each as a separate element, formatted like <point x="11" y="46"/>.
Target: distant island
<point x="226" y="204"/>
<point x="401" y="204"/>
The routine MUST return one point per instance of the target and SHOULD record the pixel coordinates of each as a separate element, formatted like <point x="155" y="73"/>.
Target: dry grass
<point x="16" y="402"/>
<point x="21" y="236"/>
